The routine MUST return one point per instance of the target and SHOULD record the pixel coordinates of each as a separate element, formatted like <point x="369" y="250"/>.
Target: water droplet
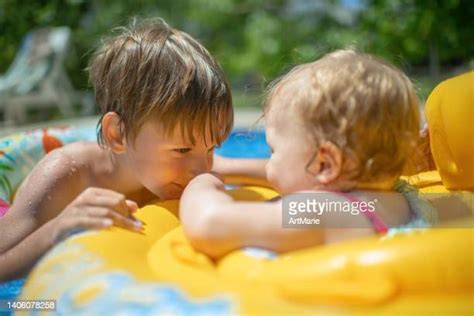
<point x="49" y="197"/>
<point x="73" y="162"/>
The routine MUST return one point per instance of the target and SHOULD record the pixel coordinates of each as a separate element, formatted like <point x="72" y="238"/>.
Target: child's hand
<point x="425" y="148"/>
<point x="219" y="164"/>
<point x="96" y="208"/>
<point x="224" y="166"/>
<point x="425" y="160"/>
<point x="241" y="171"/>
<point x="422" y="158"/>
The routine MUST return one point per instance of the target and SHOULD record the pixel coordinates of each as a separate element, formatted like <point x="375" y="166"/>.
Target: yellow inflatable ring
<point x="120" y="270"/>
<point x="422" y="272"/>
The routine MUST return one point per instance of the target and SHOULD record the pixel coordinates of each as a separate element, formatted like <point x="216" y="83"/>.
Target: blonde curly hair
<point x="360" y="103"/>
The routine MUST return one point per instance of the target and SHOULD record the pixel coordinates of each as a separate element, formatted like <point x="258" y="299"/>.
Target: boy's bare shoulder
<point x="56" y="180"/>
<point x="80" y="157"/>
<point x="73" y="161"/>
<point x="80" y="151"/>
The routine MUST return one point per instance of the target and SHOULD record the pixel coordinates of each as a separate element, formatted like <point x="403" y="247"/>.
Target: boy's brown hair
<point x="360" y="103"/>
<point x="153" y="71"/>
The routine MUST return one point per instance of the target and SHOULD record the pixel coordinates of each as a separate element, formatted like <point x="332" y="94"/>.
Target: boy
<point x="165" y="105"/>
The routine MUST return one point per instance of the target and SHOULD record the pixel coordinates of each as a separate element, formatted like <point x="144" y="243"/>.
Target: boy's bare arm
<point x="241" y="171"/>
<point x="221" y="224"/>
<point x="41" y="197"/>
<point x="16" y="262"/>
<point x="32" y="224"/>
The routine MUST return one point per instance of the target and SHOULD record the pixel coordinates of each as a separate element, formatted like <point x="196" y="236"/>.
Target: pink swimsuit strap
<point x="373" y="217"/>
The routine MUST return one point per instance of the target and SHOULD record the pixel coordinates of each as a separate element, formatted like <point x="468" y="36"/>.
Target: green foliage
<point x="256" y="40"/>
<point x="420" y="30"/>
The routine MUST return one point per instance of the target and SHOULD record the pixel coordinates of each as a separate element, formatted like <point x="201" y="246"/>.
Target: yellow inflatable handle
<point x="450" y="114"/>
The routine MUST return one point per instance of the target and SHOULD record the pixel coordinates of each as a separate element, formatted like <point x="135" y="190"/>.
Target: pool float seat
<point x="416" y="272"/>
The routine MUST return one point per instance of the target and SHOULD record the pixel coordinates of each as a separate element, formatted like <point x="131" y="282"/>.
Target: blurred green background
<point x="256" y="40"/>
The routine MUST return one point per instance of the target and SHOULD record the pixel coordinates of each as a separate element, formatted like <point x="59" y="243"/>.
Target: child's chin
<point x="171" y="194"/>
<point x="174" y="196"/>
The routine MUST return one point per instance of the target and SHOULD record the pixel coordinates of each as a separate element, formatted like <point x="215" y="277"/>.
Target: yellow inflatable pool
<point x="419" y="272"/>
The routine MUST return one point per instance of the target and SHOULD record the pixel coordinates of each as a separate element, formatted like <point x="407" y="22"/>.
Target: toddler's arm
<point x="241" y="171"/>
<point x="216" y="224"/>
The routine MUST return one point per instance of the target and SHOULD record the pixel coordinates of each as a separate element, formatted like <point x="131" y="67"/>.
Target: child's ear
<point x="327" y="165"/>
<point x="112" y="132"/>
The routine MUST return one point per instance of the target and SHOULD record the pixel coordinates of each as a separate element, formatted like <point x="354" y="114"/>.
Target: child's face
<point x="291" y="152"/>
<point x="165" y="164"/>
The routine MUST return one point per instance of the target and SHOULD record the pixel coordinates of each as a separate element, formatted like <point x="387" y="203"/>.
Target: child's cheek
<point x="180" y="165"/>
<point x="168" y="167"/>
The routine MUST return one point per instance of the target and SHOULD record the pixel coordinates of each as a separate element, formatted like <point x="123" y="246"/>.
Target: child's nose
<point x="201" y="165"/>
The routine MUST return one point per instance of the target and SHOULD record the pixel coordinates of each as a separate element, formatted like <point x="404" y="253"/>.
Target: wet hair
<point x="151" y="71"/>
<point x="360" y="103"/>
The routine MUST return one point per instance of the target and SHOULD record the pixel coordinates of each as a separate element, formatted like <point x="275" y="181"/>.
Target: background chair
<point x="37" y="77"/>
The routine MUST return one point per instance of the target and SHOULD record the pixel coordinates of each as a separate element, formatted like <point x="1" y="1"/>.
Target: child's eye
<point x="182" y="150"/>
